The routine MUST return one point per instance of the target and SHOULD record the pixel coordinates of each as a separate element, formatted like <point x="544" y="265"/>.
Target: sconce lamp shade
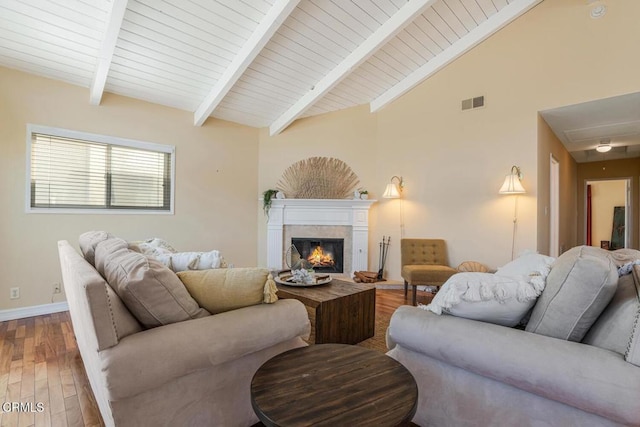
<point x="512" y="184"/>
<point x="393" y="190"/>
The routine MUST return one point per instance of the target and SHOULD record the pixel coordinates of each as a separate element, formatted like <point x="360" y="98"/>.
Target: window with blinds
<point x="77" y="171"/>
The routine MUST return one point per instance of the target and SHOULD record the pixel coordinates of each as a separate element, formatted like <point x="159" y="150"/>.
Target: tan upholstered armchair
<point x="424" y="262"/>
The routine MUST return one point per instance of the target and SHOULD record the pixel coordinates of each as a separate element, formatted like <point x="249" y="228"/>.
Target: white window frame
<point x="105" y="139"/>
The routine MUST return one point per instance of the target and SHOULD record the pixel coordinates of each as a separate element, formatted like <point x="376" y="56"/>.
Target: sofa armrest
<point x="586" y="377"/>
<point x="155" y="356"/>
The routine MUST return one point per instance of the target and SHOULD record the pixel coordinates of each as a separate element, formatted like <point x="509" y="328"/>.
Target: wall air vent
<point x="471" y="103"/>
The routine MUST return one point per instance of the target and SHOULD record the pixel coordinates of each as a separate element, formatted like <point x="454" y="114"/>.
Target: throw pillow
<point x="527" y="265"/>
<point x="581" y="283"/>
<point x="108" y="247"/>
<point x="221" y="290"/>
<point x="182" y="261"/>
<point x="152" y="247"/>
<point x="486" y="297"/>
<point x="632" y="355"/>
<point x="152" y="292"/>
<point x="614" y="327"/>
<point x="88" y="242"/>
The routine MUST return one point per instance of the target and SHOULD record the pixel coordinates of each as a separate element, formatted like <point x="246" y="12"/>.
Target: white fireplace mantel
<point x="337" y="212"/>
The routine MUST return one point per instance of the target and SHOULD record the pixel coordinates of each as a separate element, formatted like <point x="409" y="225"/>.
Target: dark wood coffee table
<point x="345" y="312"/>
<point x="333" y="385"/>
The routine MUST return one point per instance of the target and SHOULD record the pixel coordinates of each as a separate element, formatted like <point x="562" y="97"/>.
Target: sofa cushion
<point x="152" y="247"/>
<point x="526" y="265"/>
<point x="421" y="274"/>
<point x="152" y="292"/>
<point x="487" y="297"/>
<point x="581" y="283"/>
<point x="88" y="242"/>
<point x="183" y="261"/>
<point x="108" y="247"/>
<point x="613" y="328"/>
<point x="632" y="355"/>
<point x="226" y="289"/>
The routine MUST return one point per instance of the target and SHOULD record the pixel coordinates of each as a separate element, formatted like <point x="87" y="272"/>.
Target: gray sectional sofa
<point x="194" y="372"/>
<point x="574" y="365"/>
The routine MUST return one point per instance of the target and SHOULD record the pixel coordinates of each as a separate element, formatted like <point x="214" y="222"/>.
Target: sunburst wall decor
<point x="318" y="178"/>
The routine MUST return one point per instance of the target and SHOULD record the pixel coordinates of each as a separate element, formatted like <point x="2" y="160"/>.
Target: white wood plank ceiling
<point x="255" y="62"/>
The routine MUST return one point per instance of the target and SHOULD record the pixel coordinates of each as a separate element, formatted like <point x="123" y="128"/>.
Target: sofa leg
<point x="406" y="286"/>
<point x="414" y="297"/>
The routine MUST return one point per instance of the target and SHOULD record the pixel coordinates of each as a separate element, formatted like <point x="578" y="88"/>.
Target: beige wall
<point x="454" y="162"/>
<point x="549" y="145"/>
<point x="627" y="168"/>
<point x="216" y="182"/>
<point x="605" y="195"/>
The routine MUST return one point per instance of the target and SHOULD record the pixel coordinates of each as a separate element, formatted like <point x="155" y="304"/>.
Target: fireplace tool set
<point x="384" y="248"/>
<point x="373" y="276"/>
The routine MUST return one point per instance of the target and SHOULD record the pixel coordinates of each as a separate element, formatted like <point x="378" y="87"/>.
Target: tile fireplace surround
<point x="328" y="218"/>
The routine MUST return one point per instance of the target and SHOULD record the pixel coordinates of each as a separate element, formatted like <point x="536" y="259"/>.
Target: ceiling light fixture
<point x="604" y="146"/>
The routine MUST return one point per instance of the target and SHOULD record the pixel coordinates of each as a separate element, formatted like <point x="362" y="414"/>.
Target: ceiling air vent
<point x="471" y="103"/>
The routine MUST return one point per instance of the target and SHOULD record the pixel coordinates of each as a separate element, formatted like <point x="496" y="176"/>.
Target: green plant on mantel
<point x="267" y="198"/>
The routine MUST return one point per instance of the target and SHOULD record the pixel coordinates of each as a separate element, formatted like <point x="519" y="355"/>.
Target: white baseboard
<point x="35" y="310"/>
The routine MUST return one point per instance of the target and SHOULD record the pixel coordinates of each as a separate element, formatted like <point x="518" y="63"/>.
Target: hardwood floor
<point x="41" y="369"/>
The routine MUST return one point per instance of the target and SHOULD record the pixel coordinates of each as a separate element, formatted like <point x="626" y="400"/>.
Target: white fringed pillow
<point x="183" y="261"/>
<point x="152" y="247"/>
<point x="162" y="251"/>
<point x="487" y="297"/>
<point x="530" y="264"/>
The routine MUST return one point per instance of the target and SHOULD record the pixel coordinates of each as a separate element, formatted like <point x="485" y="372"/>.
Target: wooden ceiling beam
<point x="474" y="37"/>
<point x="268" y="26"/>
<point x="370" y="46"/>
<point x="105" y="55"/>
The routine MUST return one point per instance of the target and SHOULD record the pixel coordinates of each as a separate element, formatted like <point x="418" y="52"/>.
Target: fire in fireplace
<point x="325" y="255"/>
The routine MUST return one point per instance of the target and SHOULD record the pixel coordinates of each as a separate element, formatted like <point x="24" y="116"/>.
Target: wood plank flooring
<point x="41" y="368"/>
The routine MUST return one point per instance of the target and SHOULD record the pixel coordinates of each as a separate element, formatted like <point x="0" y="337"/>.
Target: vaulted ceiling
<point x="255" y="62"/>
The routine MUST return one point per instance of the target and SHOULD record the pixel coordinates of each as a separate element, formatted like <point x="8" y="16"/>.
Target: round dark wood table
<point x="333" y="385"/>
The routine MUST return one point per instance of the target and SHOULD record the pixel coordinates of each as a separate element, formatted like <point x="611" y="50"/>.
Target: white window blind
<point x="78" y="173"/>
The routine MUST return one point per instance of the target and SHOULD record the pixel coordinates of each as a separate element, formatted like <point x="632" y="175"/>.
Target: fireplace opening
<point x="325" y="255"/>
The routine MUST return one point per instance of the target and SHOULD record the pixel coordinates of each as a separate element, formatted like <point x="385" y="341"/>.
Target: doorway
<point x="608" y="213"/>
<point x="554" y="208"/>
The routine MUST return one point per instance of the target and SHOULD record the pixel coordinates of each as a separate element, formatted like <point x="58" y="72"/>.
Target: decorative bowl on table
<point x="302" y="278"/>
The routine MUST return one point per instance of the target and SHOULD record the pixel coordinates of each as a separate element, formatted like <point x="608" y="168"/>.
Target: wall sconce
<point x="393" y="190"/>
<point x="512" y="184"/>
